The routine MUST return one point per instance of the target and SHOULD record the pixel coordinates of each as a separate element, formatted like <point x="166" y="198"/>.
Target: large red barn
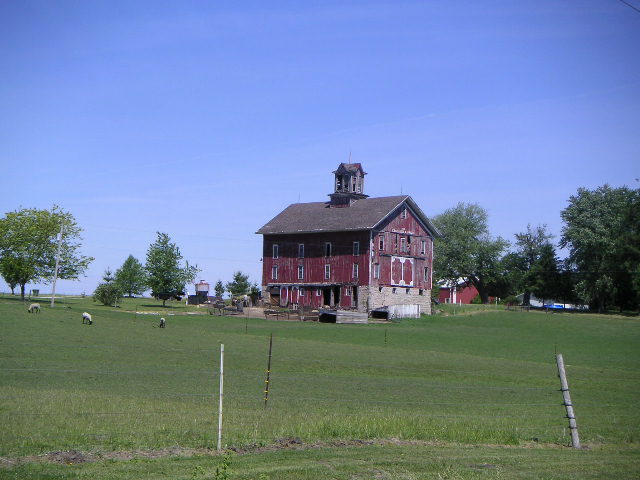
<point x="350" y="252"/>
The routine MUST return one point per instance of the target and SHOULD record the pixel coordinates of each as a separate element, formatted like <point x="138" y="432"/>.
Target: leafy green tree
<point x="14" y="271"/>
<point x="108" y="292"/>
<point x="131" y="277"/>
<point x="239" y="285"/>
<point x="600" y="240"/>
<point x="29" y="242"/>
<point x="466" y="250"/>
<point x="544" y="276"/>
<point x="219" y="289"/>
<point x="628" y="257"/>
<point x="529" y="247"/>
<point x="165" y="276"/>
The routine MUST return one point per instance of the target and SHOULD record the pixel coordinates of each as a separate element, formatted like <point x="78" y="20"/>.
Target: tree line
<point x="32" y="239"/>
<point x="601" y="232"/>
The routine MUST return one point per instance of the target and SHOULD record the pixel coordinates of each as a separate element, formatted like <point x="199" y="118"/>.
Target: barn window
<point x="423" y="247"/>
<point x="327" y="249"/>
<point x="376" y="270"/>
<point x="302" y="292"/>
<point x="393" y="290"/>
<point x="275" y="250"/>
<point x="381" y="242"/>
<point x="421" y="292"/>
<point x="355" y="270"/>
<point x="318" y="292"/>
<point x="426" y="274"/>
<point x="274" y="272"/>
<point x="404" y="213"/>
<point x="380" y="289"/>
<point x="403" y="245"/>
<point x="301" y="250"/>
<point x="408" y="290"/>
<point x="327" y="271"/>
<point x="300" y="272"/>
<point x="356" y="248"/>
<point x="347" y="291"/>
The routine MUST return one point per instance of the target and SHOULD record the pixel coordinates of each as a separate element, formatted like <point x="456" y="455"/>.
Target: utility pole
<point x="55" y="274"/>
<point x="221" y="397"/>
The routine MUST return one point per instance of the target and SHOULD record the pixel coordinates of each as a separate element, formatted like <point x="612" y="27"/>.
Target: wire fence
<point x="536" y="408"/>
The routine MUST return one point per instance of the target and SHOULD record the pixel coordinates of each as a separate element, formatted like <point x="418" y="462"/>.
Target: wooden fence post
<point x="266" y="382"/>
<point x="564" y="388"/>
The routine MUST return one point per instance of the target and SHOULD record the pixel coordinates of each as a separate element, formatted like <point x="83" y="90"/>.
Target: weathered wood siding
<point x="314" y="261"/>
<point x="401" y="263"/>
<point x="402" y="260"/>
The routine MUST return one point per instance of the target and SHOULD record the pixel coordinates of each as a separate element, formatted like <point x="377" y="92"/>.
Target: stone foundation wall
<point x="375" y="297"/>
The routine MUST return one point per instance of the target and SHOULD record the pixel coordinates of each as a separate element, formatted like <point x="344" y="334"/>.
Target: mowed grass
<point x="472" y="379"/>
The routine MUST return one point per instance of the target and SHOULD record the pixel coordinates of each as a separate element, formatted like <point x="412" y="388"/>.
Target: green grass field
<point x="471" y="385"/>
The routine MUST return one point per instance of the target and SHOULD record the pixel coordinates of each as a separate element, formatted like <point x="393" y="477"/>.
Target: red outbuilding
<point x="463" y="292"/>
<point x="352" y="252"/>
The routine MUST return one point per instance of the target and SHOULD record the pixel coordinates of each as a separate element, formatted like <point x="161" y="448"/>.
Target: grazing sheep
<point x="86" y="318"/>
<point x="34" y="308"/>
<point x="163" y="323"/>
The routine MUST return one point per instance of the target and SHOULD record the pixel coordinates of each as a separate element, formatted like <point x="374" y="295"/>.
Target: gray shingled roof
<point x="363" y="214"/>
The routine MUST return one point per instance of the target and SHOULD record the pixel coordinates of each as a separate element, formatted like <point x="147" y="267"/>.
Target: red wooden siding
<point x="341" y="260"/>
<point x="402" y="261"/>
<point x="399" y="232"/>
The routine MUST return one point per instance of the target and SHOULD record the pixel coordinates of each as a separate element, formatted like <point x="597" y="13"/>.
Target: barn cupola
<point x="349" y="185"/>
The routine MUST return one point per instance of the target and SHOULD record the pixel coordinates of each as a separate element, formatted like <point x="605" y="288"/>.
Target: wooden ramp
<point x="342" y="316"/>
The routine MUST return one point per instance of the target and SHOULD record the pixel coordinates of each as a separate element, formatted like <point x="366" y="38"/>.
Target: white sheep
<point x="163" y="322"/>
<point x="34" y="308"/>
<point x="86" y="318"/>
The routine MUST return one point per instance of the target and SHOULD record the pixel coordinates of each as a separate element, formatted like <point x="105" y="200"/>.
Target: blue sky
<point x="205" y="119"/>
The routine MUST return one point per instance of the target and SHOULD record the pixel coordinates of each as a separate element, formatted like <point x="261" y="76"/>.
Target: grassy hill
<point x="451" y="382"/>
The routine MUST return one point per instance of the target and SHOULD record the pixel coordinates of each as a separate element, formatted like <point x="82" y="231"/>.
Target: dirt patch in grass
<point x="72" y="457"/>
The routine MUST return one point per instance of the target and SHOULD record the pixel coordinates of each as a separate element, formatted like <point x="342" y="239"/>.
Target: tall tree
<point x="466" y="250"/>
<point x="529" y="248"/>
<point x="13" y="270"/>
<point x="131" y="277"/>
<point x="219" y="289"/>
<point x="29" y="243"/>
<point x="544" y="276"/>
<point x="598" y="239"/>
<point x="239" y="285"/>
<point x="165" y="276"/>
<point x="108" y="292"/>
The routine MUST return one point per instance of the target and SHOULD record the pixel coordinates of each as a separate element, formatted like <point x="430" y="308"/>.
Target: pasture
<point x="478" y="384"/>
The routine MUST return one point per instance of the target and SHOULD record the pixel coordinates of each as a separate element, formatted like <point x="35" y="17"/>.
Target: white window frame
<point x="301" y="250"/>
<point x="356" y="248"/>
<point x="381" y="242"/>
<point x="274" y="272"/>
<point x="300" y="272"/>
<point x="404" y="213"/>
<point x="423" y="247"/>
<point x="376" y="270"/>
<point x="301" y="292"/>
<point x="318" y="292"/>
<point x="426" y="274"/>
<point x="327" y="271"/>
<point x="403" y="245"/>
<point x="347" y="291"/>
<point x="355" y="270"/>
<point x="275" y="251"/>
